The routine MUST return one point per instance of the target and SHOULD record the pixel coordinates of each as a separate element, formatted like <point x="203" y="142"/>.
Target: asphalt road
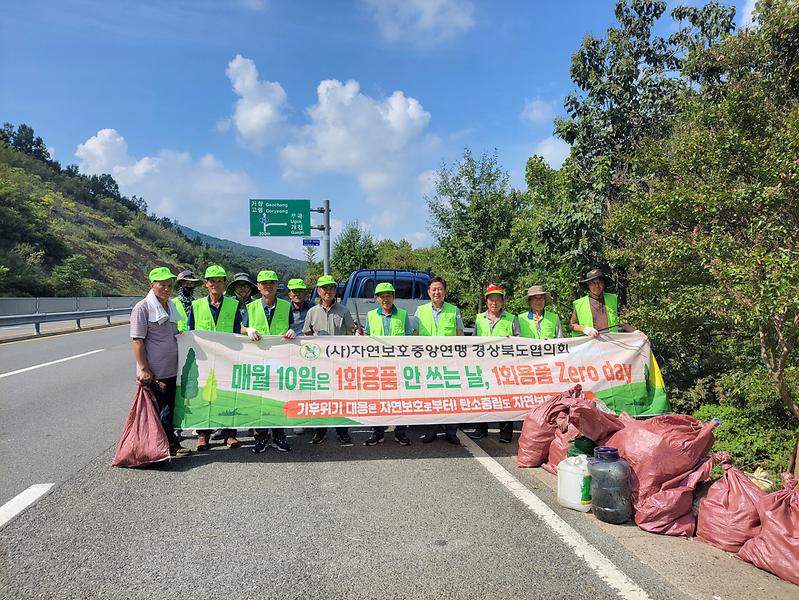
<point x="381" y="522"/>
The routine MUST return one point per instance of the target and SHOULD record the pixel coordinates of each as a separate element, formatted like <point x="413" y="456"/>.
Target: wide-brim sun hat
<point x="188" y="276"/>
<point x="538" y="290"/>
<point x="594" y="274"/>
<point x="242" y="277"/>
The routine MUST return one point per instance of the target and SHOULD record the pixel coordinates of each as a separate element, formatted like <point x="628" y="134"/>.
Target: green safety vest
<point x="586" y="319"/>
<point x="397" y="322"/>
<point x="183" y="324"/>
<point x="204" y="320"/>
<point x="280" y="317"/>
<point x="447" y="320"/>
<point x="503" y="327"/>
<point x="549" y="326"/>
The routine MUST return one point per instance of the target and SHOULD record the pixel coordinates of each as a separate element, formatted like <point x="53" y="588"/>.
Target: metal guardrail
<point x="35" y="311"/>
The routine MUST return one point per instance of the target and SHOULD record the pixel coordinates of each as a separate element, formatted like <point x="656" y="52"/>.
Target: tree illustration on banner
<point x="188" y="378"/>
<point x="209" y="389"/>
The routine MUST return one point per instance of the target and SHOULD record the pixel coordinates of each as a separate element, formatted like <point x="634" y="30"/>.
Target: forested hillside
<point x="64" y="233"/>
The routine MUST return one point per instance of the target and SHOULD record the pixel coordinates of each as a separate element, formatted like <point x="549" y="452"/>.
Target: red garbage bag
<point x="728" y="514"/>
<point x="559" y="448"/>
<point x="143" y="440"/>
<point x="776" y="547"/>
<point x="538" y="429"/>
<point x="661" y="449"/>
<point x="592" y="423"/>
<point x="669" y="511"/>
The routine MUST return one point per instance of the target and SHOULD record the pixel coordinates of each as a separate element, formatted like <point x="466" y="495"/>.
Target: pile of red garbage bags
<point x="668" y="458"/>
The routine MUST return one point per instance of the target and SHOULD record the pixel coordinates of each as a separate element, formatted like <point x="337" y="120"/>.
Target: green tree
<point x="627" y="91"/>
<point x="69" y="278"/>
<point x="313" y="266"/>
<point x="354" y="248"/>
<point x="710" y="232"/>
<point x="471" y="212"/>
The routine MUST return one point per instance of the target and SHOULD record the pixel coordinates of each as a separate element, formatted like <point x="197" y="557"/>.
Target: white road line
<point x="23" y="500"/>
<point x="597" y="561"/>
<point x="47" y="364"/>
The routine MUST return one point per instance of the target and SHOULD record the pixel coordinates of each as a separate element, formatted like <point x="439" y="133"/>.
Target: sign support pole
<point x="325" y="229"/>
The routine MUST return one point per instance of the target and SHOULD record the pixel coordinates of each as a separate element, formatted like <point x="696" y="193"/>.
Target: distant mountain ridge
<point x="271" y="259"/>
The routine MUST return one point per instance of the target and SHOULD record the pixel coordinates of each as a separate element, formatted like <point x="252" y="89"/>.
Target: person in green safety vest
<point x="495" y="322"/>
<point x="242" y="289"/>
<point x="597" y="312"/>
<point x="268" y="316"/>
<point x="539" y="323"/>
<point x="438" y="318"/>
<point x="186" y="283"/>
<point x="215" y="312"/>
<point x="387" y="320"/>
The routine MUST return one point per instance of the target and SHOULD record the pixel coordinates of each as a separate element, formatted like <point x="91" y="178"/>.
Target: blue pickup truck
<point x="358" y="292"/>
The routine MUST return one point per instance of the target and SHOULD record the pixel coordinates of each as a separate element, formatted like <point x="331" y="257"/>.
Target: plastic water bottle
<point x="610" y="486"/>
<point x="574" y="483"/>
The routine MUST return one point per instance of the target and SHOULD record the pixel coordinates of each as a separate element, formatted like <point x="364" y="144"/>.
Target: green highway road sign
<point x="280" y="217"/>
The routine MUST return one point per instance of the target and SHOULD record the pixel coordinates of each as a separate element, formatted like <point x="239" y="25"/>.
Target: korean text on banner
<point x="228" y="381"/>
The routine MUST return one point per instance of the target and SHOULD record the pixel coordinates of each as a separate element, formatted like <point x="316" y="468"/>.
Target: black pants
<point x="339" y="430"/>
<point x="164" y="392"/>
<point x="277" y="433"/>
<point x="397" y="429"/>
<point x="449" y="429"/>
<point x="505" y="427"/>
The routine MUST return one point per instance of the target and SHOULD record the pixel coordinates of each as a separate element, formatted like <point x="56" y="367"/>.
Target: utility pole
<point x="325" y="229"/>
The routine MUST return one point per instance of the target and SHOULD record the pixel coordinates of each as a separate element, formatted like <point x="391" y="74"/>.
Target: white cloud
<point x="173" y="183"/>
<point x="258" y="114"/>
<point x="746" y="14"/>
<point x="553" y="150"/>
<point x="422" y="21"/>
<point x="427" y="182"/>
<point x="375" y="141"/>
<point x="255" y="5"/>
<point x="537" y="111"/>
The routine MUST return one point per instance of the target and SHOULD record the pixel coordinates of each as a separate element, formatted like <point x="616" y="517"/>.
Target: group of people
<point x="159" y="318"/>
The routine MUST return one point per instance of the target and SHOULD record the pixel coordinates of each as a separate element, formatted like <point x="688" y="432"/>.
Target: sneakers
<point x="506" y="438"/>
<point x="478" y="434"/>
<point x="178" y="450"/>
<point x="428" y="437"/>
<point x="232" y="442"/>
<point x="261" y="444"/>
<point x="319" y="436"/>
<point x="344" y="439"/>
<point x="402" y="438"/>
<point x="280" y="444"/>
<point x="374" y="439"/>
<point x="202" y="443"/>
<point x="452" y="438"/>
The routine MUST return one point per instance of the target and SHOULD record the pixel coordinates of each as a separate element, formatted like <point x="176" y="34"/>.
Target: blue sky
<point x="199" y="105"/>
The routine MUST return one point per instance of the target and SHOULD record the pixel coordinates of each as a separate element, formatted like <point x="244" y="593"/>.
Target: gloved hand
<point x="253" y="335"/>
<point x="289" y="335"/>
<point x="590" y="331"/>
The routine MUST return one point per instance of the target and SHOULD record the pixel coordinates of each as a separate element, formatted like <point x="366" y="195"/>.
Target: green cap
<point x="325" y="280"/>
<point x="384" y="287"/>
<point x="266" y="276"/>
<point x="215" y="271"/>
<point x="161" y="274"/>
<point x="296" y="284"/>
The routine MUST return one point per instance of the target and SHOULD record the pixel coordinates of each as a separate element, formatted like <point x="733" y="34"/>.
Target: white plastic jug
<point x="574" y="483"/>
